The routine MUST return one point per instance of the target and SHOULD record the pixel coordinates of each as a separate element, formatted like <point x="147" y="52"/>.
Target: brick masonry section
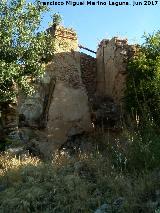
<point x="88" y="73"/>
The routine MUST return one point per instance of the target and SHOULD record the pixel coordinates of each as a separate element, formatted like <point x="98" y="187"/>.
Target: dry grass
<point x="72" y="184"/>
<point x="9" y="162"/>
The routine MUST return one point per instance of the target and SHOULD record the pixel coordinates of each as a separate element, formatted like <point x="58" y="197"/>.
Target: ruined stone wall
<point x="65" y="65"/>
<point x="8" y="119"/>
<point x="89" y="73"/>
<point x="73" y="89"/>
<point x="69" y="111"/>
<point x="112" y="57"/>
<point x="59" y="108"/>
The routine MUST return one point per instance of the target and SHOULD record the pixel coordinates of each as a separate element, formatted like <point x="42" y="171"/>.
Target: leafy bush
<point x="143" y="105"/>
<point x="143" y="83"/>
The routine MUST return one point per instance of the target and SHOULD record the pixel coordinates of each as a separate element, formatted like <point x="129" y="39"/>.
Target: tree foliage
<point x="57" y="19"/>
<point x="23" y="48"/>
<point x="143" y="83"/>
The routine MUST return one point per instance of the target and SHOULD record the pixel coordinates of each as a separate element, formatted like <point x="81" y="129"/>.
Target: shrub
<point x="143" y="83"/>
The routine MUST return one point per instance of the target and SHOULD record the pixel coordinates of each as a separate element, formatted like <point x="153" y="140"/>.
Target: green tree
<point x="143" y="83"/>
<point x="57" y="19"/>
<point x="24" y="49"/>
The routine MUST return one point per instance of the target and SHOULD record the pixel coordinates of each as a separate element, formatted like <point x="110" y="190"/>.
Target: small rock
<point x="103" y="208"/>
<point x="14" y="135"/>
<point x="118" y="203"/>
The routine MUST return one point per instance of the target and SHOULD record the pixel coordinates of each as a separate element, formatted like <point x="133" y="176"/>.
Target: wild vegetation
<point x="113" y="178"/>
<point x="143" y="83"/>
<point x="23" y="49"/>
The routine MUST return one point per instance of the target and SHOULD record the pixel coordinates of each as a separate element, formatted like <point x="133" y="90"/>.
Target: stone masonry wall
<point x="63" y="103"/>
<point x="112" y="57"/>
<point x="59" y="108"/>
<point x="88" y="72"/>
<point x="68" y="112"/>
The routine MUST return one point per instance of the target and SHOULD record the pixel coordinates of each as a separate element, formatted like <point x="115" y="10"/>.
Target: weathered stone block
<point x="112" y="57"/>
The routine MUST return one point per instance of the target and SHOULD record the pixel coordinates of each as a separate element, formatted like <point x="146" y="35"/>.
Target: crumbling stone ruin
<point x="112" y="57"/>
<point x="77" y="93"/>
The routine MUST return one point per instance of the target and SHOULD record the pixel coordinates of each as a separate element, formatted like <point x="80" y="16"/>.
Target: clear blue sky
<point x="93" y="23"/>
